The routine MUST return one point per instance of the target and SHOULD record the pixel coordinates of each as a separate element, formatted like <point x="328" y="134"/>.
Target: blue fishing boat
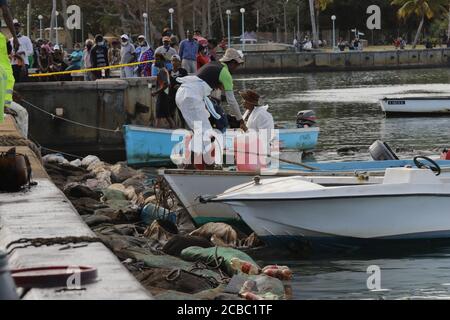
<point x="151" y="146"/>
<point x="354" y="166"/>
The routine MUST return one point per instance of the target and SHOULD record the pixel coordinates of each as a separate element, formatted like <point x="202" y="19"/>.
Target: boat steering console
<point x="433" y="167"/>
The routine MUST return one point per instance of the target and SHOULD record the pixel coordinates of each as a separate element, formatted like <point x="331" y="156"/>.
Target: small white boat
<point x="410" y="204"/>
<point x="189" y="185"/>
<point x="426" y="106"/>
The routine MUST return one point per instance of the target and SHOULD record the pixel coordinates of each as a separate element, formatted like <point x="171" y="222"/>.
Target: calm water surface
<point x="349" y="114"/>
<point x="347" y="106"/>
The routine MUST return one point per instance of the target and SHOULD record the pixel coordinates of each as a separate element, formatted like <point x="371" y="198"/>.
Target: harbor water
<point x="349" y="114"/>
<point x="350" y="117"/>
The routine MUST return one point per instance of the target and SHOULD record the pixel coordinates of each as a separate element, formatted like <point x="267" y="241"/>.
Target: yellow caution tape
<point x="89" y="70"/>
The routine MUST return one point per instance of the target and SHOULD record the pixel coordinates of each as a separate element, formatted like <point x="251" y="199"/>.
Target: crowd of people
<point x="42" y="56"/>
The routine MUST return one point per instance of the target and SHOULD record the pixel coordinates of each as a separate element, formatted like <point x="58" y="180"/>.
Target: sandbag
<point x="120" y="172"/>
<point x="87" y="161"/>
<point x="161" y="231"/>
<point x="223" y="234"/>
<point x="178" y="243"/>
<point x="151" y="260"/>
<point x="208" y="255"/>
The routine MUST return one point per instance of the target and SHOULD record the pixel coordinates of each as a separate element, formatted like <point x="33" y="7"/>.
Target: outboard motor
<point x="306" y="119"/>
<point x="380" y="151"/>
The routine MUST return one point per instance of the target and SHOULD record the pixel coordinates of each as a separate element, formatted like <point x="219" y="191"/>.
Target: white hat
<point x="233" y="54"/>
<point x="124" y="36"/>
<point x="56" y="47"/>
<point x="141" y="37"/>
<point x="176" y="57"/>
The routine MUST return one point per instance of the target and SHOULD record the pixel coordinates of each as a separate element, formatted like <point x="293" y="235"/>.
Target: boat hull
<point x="190" y="185"/>
<point x="345" y="222"/>
<point x="149" y="146"/>
<point x="416" y="106"/>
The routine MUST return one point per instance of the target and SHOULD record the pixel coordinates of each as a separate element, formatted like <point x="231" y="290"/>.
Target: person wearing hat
<point x="128" y="55"/>
<point x="20" y="58"/>
<point x="167" y="51"/>
<point x="99" y="56"/>
<point x="141" y="47"/>
<point x="218" y="75"/>
<point x="256" y="117"/>
<point x="188" y="53"/>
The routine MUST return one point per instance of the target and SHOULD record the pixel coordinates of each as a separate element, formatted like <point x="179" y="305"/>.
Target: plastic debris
<point x="244" y="267"/>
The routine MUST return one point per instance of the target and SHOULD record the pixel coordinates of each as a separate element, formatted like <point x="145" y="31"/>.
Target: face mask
<point x="100" y="43"/>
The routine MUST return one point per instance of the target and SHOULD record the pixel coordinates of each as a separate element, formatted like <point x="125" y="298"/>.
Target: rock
<point x="120" y="172"/>
<point x="86" y="162"/>
<point x="74" y="190"/>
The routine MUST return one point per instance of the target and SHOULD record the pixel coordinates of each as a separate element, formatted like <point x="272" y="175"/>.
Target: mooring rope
<point x="54" y="116"/>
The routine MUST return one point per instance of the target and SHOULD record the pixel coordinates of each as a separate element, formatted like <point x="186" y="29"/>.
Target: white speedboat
<point x="426" y="106"/>
<point x="189" y="185"/>
<point x="410" y="204"/>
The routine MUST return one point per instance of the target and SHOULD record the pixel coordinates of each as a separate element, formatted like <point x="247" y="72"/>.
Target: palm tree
<point x="423" y="9"/>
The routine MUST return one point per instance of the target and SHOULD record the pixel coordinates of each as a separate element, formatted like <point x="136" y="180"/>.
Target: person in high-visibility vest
<point x="6" y="74"/>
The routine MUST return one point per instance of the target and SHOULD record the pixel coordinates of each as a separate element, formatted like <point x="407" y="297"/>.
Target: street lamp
<point x="333" y="18"/>
<point x="228" y="12"/>
<point x="56" y="19"/>
<point x="243" y="29"/>
<point x="145" y="16"/>
<point x="40" y="17"/>
<point x="171" y="11"/>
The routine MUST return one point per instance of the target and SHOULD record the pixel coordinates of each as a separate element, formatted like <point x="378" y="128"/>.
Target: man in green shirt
<point x="218" y="75"/>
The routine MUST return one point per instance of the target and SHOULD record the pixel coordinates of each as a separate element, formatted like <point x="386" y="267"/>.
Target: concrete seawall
<point x="45" y="212"/>
<point x="107" y="104"/>
<point x="344" y="61"/>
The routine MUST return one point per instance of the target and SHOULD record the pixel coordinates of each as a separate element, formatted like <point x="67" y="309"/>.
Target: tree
<point x="423" y="9"/>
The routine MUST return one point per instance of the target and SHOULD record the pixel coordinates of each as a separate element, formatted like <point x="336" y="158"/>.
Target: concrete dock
<point x="45" y="212"/>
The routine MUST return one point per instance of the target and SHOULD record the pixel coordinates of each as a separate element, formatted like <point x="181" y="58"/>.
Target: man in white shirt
<point x="256" y="117"/>
<point x="20" y="58"/>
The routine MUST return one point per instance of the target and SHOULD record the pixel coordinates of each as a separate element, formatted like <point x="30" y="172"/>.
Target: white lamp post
<point x="243" y="29"/>
<point x="333" y="18"/>
<point x="228" y="12"/>
<point x="40" y="17"/>
<point x="145" y="16"/>
<point x="171" y="11"/>
<point x="56" y="19"/>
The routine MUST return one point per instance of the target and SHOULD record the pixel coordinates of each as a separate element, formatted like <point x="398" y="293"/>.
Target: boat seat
<point x="410" y="176"/>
